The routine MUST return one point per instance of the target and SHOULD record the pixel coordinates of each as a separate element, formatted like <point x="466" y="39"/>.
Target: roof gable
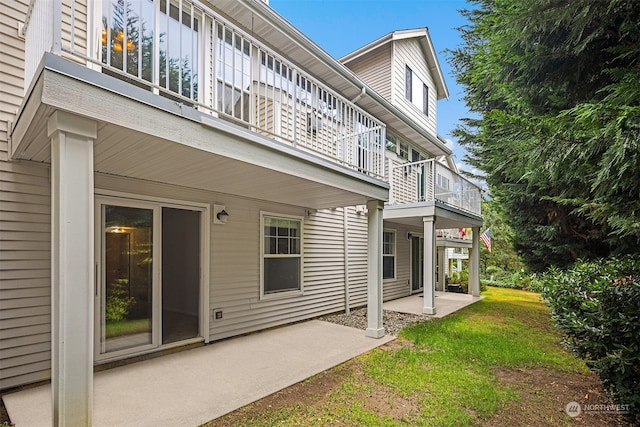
<point x="419" y="34"/>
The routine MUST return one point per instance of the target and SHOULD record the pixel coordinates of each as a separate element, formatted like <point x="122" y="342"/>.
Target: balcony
<point x="184" y="51"/>
<point x="431" y="181"/>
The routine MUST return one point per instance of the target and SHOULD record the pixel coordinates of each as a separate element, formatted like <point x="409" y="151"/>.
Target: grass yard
<point x="127" y="327"/>
<point x="497" y="362"/>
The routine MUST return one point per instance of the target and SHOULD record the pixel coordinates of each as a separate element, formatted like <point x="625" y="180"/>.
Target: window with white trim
<point x="397" y="145"/>
<point x="408" y="83"/>
<point x="443" y="182"/>
<point x="281" y="254"/>
<point x="388" y="254"/>
<point x="416" y="91"/>
<point x="425" y="99"/>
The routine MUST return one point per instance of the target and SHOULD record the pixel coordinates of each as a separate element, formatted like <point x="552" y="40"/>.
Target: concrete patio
<point x="446" y="303"/>
<point x="195" y="386"/>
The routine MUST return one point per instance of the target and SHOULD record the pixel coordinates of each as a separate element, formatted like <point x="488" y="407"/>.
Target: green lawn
<point x="454" y="358"/>
<point x="127" y="327"/>
<point x="445" y="371"/>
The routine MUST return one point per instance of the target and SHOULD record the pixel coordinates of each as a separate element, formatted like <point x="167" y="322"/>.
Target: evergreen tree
<point x="556" y="84"/>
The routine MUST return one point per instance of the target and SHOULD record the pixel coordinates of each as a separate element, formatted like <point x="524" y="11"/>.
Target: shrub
<point x="494" y="270"/>
<point x="455" y="278"/>
<point x="118" y="302"/>
<point x="464" y="277"/>
<point x="535" y="283"/>
<point x="597" y="307"/>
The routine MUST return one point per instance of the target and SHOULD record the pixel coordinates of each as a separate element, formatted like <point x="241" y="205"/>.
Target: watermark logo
<point x="573" y="409"/>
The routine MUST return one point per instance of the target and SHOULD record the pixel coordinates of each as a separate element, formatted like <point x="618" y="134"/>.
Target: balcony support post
<point x="72" y="268"/>
<point x="429" y="272"/>
<point x="474" y="264"/>
<point x="375" y="328"/>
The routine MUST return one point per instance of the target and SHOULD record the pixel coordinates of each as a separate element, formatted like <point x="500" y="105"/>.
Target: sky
<point x="342" y="26"/>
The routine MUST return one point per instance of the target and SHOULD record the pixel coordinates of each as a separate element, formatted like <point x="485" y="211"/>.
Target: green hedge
<point x="597" y="307"/>
<point x="515" y="280"/>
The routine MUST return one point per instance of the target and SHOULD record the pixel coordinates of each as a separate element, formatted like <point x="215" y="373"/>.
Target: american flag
<point x="486" y="239"/>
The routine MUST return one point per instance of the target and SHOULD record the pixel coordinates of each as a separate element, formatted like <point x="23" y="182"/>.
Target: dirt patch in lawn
<point x="316" y="392"/>
<point x="313" y="391"/>
<point x="545" y="394"/>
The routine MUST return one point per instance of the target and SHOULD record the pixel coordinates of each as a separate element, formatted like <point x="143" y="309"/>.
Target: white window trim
<point x="417" y="93"/>
<point x="395" y="253"/>
<point x="283" y="294"/>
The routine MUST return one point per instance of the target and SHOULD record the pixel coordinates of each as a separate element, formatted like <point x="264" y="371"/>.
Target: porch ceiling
<point x="445" y="216"/>
<point x="144" y="136"/>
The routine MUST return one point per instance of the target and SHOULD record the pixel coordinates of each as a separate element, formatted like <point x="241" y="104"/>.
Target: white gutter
<point x="362" y="93"/>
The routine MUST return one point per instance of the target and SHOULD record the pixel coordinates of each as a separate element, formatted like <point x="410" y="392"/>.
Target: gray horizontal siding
<point x="358" y="257"/>
<point x="25" y="243"/>
<point x="374" y="69"/>
<point x="235" y="273"/>
<point x="25" y="274"/>
<point x="408" y="52"/>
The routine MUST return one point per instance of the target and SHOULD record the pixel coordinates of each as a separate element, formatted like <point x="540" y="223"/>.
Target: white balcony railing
<point x="430" y="180"/>
<point x="462" y="234"/>
<point x="184" y="51"/>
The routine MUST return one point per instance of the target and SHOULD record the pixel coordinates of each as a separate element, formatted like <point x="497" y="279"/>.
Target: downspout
<point x="362" y="93"/>
<point x="347" y="295"/>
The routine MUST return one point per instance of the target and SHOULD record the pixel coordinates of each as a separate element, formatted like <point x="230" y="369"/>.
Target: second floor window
<point x="443" y="182"/>
<point x="416" y="91"/>
<point x="397" y="145"/>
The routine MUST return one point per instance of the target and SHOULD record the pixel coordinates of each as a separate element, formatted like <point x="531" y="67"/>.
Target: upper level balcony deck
<point x="187" y="52"/>
<point x="430" y="181"/>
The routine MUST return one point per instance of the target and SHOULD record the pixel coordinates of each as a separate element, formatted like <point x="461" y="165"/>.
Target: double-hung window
<point x="388" y="254"/>
<point x="281" y="254"/>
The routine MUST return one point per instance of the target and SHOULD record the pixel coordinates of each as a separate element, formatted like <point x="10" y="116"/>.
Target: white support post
<point x="474" y="264"/>
<point x="429" y="266"/>
<point x="72" y="271"/>
<point x="375" y="328"/>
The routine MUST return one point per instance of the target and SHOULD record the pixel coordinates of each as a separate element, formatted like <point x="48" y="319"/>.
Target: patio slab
<point x="195" y="386"/>
<point x="446" y="303"/>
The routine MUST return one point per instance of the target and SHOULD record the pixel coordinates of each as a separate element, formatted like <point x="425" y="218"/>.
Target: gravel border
<point x="393" y="321"/>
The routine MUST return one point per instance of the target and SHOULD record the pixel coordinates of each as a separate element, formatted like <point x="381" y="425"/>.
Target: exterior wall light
<point x="220" y="214"/>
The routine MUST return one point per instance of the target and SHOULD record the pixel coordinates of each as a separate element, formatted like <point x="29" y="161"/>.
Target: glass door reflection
<point x="127" y="288"/>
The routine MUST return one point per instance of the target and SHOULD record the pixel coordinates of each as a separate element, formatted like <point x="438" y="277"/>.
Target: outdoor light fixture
<point x="222" y="216"/>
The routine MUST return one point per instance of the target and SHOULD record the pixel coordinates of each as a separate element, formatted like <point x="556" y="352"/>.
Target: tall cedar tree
<point x="556" y="85"/>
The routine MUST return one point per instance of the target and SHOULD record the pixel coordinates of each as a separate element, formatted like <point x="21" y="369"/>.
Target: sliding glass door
<point x="180" y="274"/>
<point x="149" y="280"/>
